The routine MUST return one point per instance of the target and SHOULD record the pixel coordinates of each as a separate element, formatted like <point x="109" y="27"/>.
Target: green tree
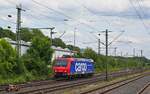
<point x="38" y="55"/>
<point x="37" y="33"/>
<point x="77" y="49"/>
<point x="73" y="48"/>
<point x="7" y="33"/>
<point x="59" y="43"/>
<point x="89" y="53"/>
<point x="26" y="34"/>
<point x="29" y="34"/>
<point x="40" y="47"/>
<point x="7" y="58"/>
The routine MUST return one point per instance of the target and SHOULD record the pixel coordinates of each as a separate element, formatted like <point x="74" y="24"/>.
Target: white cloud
<point x="5" y="3"/>
<point x="107" y="5"/>
<point x="38" y="16"/>
<point x="145" y="3"/>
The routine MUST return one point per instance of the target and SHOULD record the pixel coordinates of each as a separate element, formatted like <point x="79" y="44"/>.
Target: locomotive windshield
<point x="61" y="63"/>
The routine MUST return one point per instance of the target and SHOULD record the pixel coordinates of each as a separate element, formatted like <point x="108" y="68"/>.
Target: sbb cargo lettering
<point x="80" y="67"/>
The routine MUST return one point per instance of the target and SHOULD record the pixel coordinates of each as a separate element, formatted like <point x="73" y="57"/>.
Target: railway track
<point x="144" y="89"/>
<point x="55" y="86"/>
<point x="110" y="87"/>
<point x="41" y="82"/>
<point x="58" y="87"/>
<point x="46" y="82"/>
<point x="62" y="86"/>
<point x="31" y="84"/>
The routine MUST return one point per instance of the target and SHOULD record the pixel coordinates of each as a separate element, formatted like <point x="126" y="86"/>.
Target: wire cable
<point x="116" y="38"/>
<point x="8" y="21"/>
<point x="140" y="6"/>
<point x="61" y="13"/>
<point x="11" y="2"/>
<point x="85" y="7"/>
<point x="139" y="16"/>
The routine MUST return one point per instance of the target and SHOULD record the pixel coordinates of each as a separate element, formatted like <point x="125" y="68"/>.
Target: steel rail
<point x="110" y="87"/>
<point x="72" y="84"/>
<point x="143" y="89"/>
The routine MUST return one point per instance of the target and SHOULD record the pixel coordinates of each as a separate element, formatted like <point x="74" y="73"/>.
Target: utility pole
<point x="141" y="53"/>
<point x="18" y="28"/>
<point x="99" y="52"/>
<point x="126" y="54"/>
<point x="99" y="45"/>
<point x="115" y="51"/>
<point x="106" y="54"/>
<point x="133" y="52"/>
<point x="121" y="53"/>
<point x="141" y="59"/>
<point x="106" y="44"/>
<point x="74" y="40"/>
<point x="51" y="34"/>
<point x="75" y="37"/>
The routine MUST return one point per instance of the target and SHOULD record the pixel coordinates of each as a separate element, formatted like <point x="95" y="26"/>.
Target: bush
<point x="38" y="56"/>
<point x="7" y="59"/>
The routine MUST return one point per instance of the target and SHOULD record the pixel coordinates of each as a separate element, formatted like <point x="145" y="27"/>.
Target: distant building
<point x="24" y="45"/>
<point x="59" y="52"/>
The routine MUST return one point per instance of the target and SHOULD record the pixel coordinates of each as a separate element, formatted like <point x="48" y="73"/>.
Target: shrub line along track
<point x="115" y="85"/>
<point x="72" y="84"/>
<point x="143" y="89"/>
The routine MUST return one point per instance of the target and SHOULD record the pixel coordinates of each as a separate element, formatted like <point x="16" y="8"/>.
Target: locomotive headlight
<point x="65" y="71"/>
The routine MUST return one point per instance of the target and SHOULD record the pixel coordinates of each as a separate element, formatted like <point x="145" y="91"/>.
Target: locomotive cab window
<point x="61" y="63"/>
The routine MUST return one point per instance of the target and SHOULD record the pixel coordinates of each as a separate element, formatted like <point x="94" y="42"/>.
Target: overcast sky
<point x="87" y="18"/>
